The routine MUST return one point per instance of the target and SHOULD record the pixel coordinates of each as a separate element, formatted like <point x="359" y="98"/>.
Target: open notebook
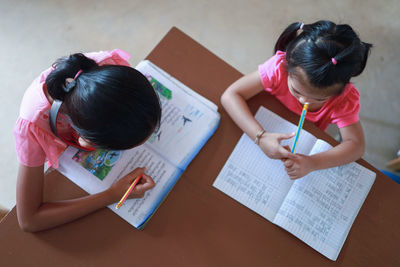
<point x="319" y="208"/>
<point x="188" y="121"/>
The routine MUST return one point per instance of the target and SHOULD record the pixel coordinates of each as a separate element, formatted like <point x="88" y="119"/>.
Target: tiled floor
<point x="34" y="33"/>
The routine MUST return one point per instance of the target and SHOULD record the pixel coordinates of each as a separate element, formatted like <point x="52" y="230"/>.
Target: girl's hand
<point x="119" y="188"/>
<point x="270" y="144"/>
<point x="298" y="166"/>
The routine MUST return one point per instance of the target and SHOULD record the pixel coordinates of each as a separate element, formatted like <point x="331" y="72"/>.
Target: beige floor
<point x="34" y="33"/>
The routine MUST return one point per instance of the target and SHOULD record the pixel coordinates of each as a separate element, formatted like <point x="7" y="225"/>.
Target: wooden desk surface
<point x="198" y="225"/>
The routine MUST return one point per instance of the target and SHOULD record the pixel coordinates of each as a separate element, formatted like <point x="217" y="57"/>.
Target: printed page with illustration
<point x="188" y="121"/>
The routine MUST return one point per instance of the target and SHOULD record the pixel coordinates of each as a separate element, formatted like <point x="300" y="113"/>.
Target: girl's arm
<point x="234" y="102"/>
<point x="351" y="149"/>
<point x="35" y="215"/>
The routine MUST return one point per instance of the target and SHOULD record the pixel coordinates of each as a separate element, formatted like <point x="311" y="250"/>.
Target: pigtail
<point x="328" y="53"/>
<point x="366" y="49"/>
<point x="65" y="68"/>
<point x="288" y="35"/>
<point x="346" y="54"/>
<point x="353" y="57"/>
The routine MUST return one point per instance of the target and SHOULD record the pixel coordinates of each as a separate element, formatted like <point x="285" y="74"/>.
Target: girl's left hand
<point x="298" y="166"/>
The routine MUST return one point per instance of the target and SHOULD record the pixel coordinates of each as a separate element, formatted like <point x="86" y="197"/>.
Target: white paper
<point x="319" y="208"/>
<point x="135" y="211"/>
<point x="253" y="179"/>
<point x="185" y="123"/>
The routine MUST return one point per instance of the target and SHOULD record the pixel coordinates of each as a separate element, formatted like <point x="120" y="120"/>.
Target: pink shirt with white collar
<point x="341" y="110"/>
<point x="35" y="142"/>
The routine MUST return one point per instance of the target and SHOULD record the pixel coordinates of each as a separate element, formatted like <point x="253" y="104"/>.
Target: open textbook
<point x="188" y="121"/>
<point x="319" y="208"/>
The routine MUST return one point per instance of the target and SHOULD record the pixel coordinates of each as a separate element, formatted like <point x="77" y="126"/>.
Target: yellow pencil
<point x="128" y="191"/>
<point x="300" y="126"/>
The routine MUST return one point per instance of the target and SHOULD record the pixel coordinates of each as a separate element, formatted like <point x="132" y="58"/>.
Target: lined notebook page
<point x="253" y="179"/>
<point x="321" y="207"/>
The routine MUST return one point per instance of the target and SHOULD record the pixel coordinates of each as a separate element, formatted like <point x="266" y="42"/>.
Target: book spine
<point x="166" y="191"/>
<point x="189" y="159"/>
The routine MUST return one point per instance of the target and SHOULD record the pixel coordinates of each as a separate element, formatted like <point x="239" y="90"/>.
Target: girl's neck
<point x="315" y="106"/>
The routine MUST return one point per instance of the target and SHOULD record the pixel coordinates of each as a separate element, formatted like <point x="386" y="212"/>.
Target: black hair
<point x="313" y="50"/>
<point x="112" y="106"/>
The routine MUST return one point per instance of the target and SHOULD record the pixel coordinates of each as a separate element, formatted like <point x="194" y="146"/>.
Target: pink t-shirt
<point x="341" y="110"/>
<point x="35" y="142"/>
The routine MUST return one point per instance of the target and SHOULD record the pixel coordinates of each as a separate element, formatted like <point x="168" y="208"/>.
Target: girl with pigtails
<point x="312" y="63"/>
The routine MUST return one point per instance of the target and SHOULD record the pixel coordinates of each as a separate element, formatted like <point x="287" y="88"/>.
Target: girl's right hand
<point x="270" y="144"/>
<point x="119" y="188"/>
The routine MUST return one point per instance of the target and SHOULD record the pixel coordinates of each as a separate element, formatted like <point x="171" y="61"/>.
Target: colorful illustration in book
<point x="98" y="162"/>
<point x="159" y="88"/>
<point x="181" y="120"/>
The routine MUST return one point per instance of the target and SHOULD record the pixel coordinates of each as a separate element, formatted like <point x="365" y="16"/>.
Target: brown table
<point x="198" y="225"/>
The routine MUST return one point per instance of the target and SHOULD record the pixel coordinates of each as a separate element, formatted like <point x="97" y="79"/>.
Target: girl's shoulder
<point x="346" y="107"/>
<point x="34" y="139"/>
<point x="280" y="54"/>
<point x="349" y="96"/>
<point x="34" y="144"/>
<point x="276" y="61"/>
<point x="34" y="102"/>
<point x="273" y="71"/>
<point x="113" y="57"/>
<point x="347" y="103"/>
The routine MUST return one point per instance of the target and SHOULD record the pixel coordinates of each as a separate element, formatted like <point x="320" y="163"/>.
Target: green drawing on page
<point x="98" y="162"/>
<point x="159" y="88"/>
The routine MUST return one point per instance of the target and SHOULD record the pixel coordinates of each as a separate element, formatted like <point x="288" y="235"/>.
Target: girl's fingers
<point x="148" y="180"/>
<point x="284" y="153"/>
<point x="292" y="175"/>
<point x="288" y="163"/>
<point x="285" y="136"/>
<point x="134" y="174"/>
<point x="291" y="172"/>
<point x="145" y="184"/>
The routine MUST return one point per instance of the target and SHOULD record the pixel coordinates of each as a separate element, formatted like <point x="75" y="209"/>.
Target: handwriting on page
<point x="247" y="185"/>
<point x="321" y="207"/>
<point x="253" y="179"/>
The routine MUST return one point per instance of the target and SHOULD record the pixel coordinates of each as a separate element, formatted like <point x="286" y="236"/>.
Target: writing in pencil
<point x="128" y="191"/>
<point x="300" y="126"/>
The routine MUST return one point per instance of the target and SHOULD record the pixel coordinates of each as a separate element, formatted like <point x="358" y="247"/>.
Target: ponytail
<point x="65" y="68"/>
<point x="364" y="57"/>
<point x="288" y="35"/>
<point x="112" y="106"/>
<point x="328" y="53"/>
